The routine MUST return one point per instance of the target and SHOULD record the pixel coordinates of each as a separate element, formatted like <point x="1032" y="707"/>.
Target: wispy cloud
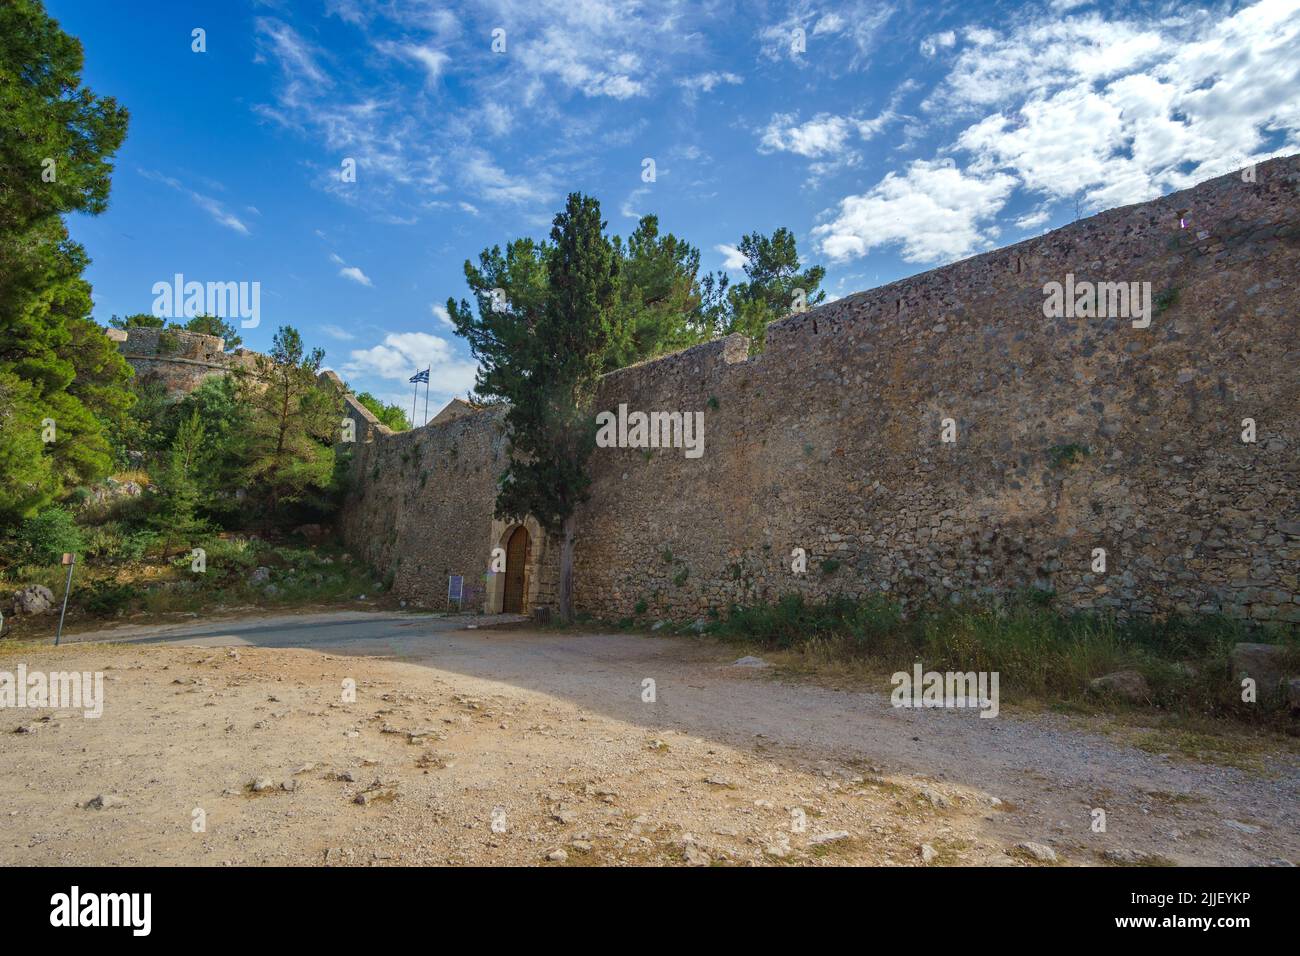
<point x="350" y="272"/>
<point x="213" y="207"/>
<point x="831" y="40"/>
<point x="432" y="61"/>
<point x="489" y="180"/>
<point x="692" y="86"/>
<point x="334" y="332"/>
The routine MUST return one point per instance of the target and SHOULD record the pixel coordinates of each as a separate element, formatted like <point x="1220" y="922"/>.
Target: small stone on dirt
<point x="1126" y="685"/>
<point x="694" y="856"/>
<point x="1039" y="851"/>
<point x="103" y="801"/>
<point x="1241" y="827"/>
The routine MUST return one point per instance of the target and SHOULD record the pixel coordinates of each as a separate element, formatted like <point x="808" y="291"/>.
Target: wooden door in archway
<point x="516" y="560"/>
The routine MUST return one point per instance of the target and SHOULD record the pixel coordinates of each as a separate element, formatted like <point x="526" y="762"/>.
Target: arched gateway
<point x="516" y="563"/>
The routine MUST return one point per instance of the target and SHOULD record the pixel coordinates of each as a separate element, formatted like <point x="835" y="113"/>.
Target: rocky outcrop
<point x="33" y="599"/>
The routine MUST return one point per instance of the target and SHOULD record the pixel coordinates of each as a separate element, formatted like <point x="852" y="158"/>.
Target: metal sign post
<point x="70" y="560"/>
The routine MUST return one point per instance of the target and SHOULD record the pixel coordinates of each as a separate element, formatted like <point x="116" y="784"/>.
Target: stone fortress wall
<point x="180" y="360"/>
<point x="1071" y="434"/>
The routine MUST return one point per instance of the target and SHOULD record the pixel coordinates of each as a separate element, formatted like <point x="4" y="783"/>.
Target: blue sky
<point x="901" y="137"/>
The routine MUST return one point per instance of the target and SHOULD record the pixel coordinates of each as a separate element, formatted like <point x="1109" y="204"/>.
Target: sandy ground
<point x="502" y="746"/>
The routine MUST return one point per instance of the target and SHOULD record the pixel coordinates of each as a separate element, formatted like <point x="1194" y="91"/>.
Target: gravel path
<point x="506" y="745"/>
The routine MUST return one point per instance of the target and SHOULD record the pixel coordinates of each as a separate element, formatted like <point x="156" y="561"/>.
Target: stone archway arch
<point x="503" y="532"/>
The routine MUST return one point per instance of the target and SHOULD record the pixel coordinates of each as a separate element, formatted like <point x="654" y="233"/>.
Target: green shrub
<point x="232" y="552"/>
<point x="106" y="598"/>
<point x="44" y="538"/>
<point x="139" y="543"/>
<point x="105" y="543"/>
<point x="641" y="606"/>
<point x="1062" y="455"/>
<point x="1166" y="299"/>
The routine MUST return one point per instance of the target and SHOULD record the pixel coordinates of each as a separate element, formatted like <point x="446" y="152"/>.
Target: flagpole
<point x="426" y="396"/>
<point x="414" y="396"/>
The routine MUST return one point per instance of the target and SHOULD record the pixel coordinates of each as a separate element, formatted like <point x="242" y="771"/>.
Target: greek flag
<point x="421" y="376"/>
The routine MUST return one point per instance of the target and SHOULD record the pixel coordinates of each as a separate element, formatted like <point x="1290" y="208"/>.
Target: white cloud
<point x="440" y="312"/>
<point x="707" y="82"/>
<point x="823" y="135"/>
<point x="628" y="207"/>
<point x="335" y="332"/>
<point x="350" y="272"/>
<point x="572" y="44"/>
<point x="825" y="138"/>
<point x="356" y="275"/>
<point x="1199" y="110"/>
<point x="1086" y="110"/>
<point x="1044" y="55"/>
<point x="402" y="354"/>
<point x="733" y="259"/>
<point x="933" y="210"/>
<point x="1033" y="219"/>
<point x="937" y="41"/>
<point x="350" y="11"/>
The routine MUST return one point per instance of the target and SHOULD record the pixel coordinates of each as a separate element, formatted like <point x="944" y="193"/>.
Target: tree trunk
<point x="566" y="570"/>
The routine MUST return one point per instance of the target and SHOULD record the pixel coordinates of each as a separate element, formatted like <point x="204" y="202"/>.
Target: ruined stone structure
<point x="180" y="360"/>
<point x="1069" y="435"/>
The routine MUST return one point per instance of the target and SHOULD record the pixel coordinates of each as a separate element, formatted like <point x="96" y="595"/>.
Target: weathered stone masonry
<point x="1072" y="434"/>
<point x="180" y="360"/>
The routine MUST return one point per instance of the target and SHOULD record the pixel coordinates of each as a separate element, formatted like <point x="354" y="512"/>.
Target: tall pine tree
<point x="292" y="422"/>
<point x="542" y="350"/>
<point x="56" y="369"/>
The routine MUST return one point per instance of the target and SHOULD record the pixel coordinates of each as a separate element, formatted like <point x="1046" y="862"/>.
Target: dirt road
<point x="501" y="745"/>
